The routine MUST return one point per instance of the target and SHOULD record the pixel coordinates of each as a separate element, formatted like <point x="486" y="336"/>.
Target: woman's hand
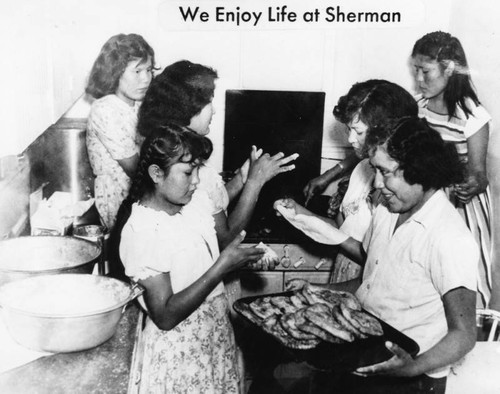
<point x="266" y="167"/>
<point x="235" y="256"/>
<point x="400" y="364"/>
<point x="288" y="204"/>
<point x="296" y="284"/>
<point x="254" y="155"/>
<point x="474" y="185"/>
<point x="316" y="186"/>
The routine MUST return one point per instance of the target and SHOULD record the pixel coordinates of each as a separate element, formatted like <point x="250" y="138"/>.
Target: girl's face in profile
<point x="135" y="81"/>
<point x="176" y="188"/>
<point x="357" y="135"/>
<point x="430" y="78"/>
<point x="200" y="123"/>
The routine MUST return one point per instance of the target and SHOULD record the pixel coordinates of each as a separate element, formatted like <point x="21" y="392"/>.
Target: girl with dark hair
<point x="449" y="103"/>
<point x="169" y="246"/>
<point x="182" y="94"/>
<point x="118" y="82"/>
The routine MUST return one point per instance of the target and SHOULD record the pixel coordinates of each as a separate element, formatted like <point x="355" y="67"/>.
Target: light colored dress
<point x="212" y="183"/>
<point x="111" y="136"/>
<point x="476" y="213"/>
<point x="198" y="355"/>
<point x="356" y="208"/>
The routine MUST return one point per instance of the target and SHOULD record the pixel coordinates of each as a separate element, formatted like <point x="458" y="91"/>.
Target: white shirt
<point x="408" y="271"/>
<point x="184" y="244"/>
<point x="355" y="205"/>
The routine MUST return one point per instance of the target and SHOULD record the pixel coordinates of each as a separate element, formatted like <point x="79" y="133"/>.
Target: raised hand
<point x="254" y="155"/>
<point x="267" y="167"/>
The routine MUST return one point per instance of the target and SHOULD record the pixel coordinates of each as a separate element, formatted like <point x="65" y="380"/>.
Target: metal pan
<point x="345" y="356"/>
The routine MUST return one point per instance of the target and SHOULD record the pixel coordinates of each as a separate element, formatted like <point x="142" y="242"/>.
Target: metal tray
<point x="345" y="356"/>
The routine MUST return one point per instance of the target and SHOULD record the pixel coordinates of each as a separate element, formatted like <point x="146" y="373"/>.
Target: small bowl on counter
<point x="66" y="312"/>
<point x="29" y="256"/>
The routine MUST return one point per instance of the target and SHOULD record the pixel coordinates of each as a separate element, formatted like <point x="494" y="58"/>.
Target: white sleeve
<point x="477" y="120"/>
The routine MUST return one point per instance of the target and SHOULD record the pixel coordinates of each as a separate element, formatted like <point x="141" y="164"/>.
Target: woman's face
<point x="430" y="78"/>
<point x="357" y="135"/>
<point x="176" y="188"/>
<point x="135" y="81"/>
<point x="398" y="195"/>
<point x="200" y="123"/>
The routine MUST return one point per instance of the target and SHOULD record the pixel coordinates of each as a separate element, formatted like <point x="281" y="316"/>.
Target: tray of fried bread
<point x="328" y="329"/>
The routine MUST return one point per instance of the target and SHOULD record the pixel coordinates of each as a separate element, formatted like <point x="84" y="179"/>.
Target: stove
<point x="276" y="121"/>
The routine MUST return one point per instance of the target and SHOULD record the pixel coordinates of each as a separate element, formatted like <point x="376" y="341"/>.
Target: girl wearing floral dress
<point x="118" y="81"/>
<point x="169" y="246"/>
<point x="449" y="103"/>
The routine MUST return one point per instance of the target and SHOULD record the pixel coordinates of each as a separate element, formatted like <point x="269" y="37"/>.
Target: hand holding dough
<point x="312" y="226"/>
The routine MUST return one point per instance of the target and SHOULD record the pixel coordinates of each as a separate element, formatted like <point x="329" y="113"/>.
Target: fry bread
<point x="321" y="316"/>
<point x="364" y="322"/>
<point x="263" y="308"/>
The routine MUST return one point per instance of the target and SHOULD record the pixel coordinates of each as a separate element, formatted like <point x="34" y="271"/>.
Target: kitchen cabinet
<point x="310" y="261"/>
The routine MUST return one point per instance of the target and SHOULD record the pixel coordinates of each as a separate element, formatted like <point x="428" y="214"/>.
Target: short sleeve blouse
<point x="212" y="183"/>
<point x="184" y="244"/>
<point x="459" y="127"/>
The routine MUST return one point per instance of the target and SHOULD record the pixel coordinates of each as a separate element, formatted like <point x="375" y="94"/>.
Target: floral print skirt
<point x="197" y="356"/>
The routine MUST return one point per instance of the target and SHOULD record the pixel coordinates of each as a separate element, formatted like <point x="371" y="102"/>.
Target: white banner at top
<point x="289" y="14"/>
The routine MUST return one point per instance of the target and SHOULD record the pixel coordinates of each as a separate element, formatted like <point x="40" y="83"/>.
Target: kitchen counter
<point x="104" y="369"/>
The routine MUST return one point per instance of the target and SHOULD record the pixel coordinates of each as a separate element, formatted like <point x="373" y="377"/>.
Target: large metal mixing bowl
<point x="42" y="255"/>
<point x="64" y="313"/>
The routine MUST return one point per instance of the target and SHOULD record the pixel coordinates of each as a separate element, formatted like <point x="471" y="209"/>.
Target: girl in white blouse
<point x="169" y="245"/>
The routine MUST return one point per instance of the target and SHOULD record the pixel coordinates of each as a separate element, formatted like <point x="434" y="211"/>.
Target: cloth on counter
<point x="14" y="355"/>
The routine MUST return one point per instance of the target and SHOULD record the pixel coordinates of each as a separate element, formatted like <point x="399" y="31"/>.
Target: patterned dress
<point x="111" y="136"/>
<point x="356" y="208"/>
<point x="476" y="213"/>
<point x="198" y="355"/>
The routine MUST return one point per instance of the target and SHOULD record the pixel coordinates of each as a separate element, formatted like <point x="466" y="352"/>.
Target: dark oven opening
<point x="286" y="121"/>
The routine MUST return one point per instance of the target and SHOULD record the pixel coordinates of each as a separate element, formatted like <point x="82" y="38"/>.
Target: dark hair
<point x="443" y="48"/>
<point x="165" y="146"/>
<point x="112" y="61"/>
<point x="420" y="151"/>
<point x="375" y="101"/>
<point x="176" y="95"/>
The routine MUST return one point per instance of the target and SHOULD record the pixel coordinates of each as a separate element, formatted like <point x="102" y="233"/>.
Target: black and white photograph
<point x="250" y="197"/>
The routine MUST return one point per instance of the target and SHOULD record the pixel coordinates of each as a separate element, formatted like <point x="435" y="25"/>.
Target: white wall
<point x="51" y="45"/>
<point x="479" y="33"/>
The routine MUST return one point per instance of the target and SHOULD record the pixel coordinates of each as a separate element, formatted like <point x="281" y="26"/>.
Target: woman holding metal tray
<point x="419" y="260"/>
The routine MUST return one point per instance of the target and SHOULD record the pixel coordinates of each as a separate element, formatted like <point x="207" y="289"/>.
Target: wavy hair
<point x="445" y="48"/>
<point x="177" y="94"/>
<point x="165" y="146"/>
<point x="112" y="61"/>
<point x="420" y="152"/>
<point x="375" y="102"/>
